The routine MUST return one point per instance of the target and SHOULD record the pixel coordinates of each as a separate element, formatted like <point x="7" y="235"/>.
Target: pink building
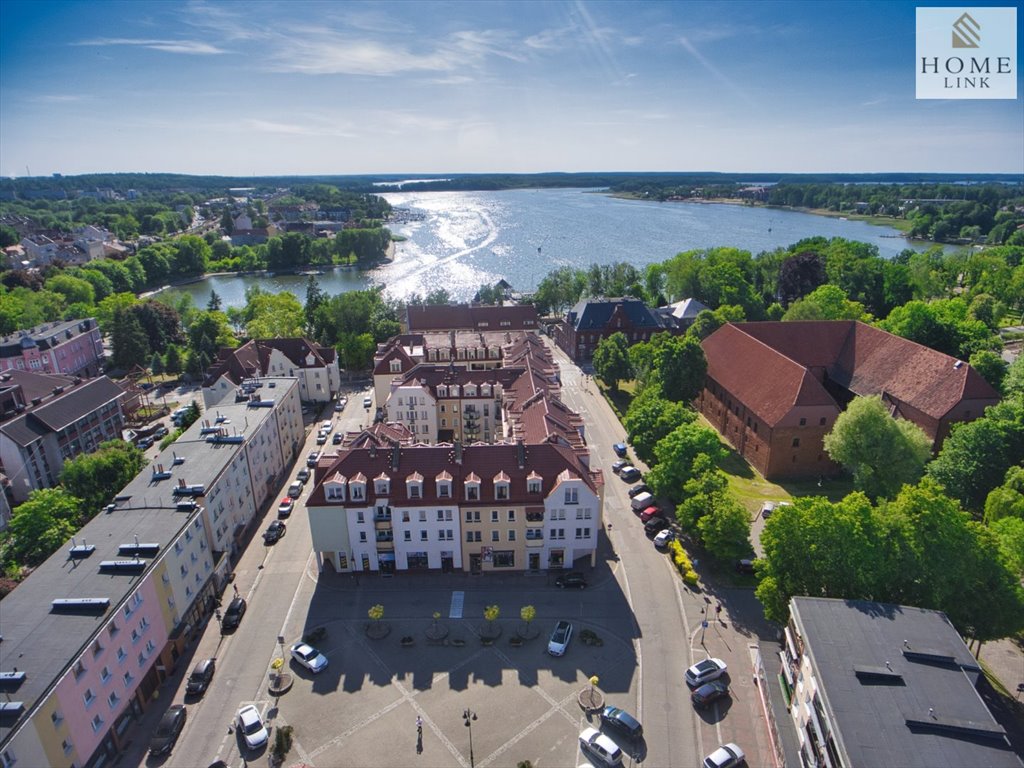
<point x="72" y="347"/>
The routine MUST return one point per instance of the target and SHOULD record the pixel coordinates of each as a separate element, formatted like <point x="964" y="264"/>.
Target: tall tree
<point x="172" y="363"/>
<point x="128" y="341"/>
<point x="676" y="454"/>
<point x="650" y="418"/>
<point x="215" y="302"/>
<point x="39" y="526"/>
<point x="611" y="360"/>
<point x="95" y="477"/>
<point x="881" y="452"/>
<point x="799" y="275"/>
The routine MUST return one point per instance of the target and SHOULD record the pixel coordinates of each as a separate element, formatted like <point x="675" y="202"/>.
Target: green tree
<point x="208" y="332"/>
<point x="650" y="418"/>
<point x="707" y="487"/>
<point x="676" y="454"/>
<point x="881" y="452"/>
<point x="74" y="289"/>
<point x="215" y="302"/>
<point x="680" y="367"/>
<point x="96" y="477"/>
<point x="192" y="256"/>
<point x="1008" y="499"/>
<point x="274" y="315"/>
<point x="172" y="363"/>
<point x="39" y="526"/>
<point x="491" y="613"/>
<point x="156" y="364"/>
<point x="527" y="613"/>
<point x="1013" y="383"/>
<point x="1009" y="534"/>
<point x="828" y="302"/>
<point x="315" y="298"/>
<point x="706" y="323"/>
<point x="991" y="366"/>
<point x="109" y="307"/>
<point x="725" y="529"/>
<point x="128" y="341"/>
<point x="611" y="360"/>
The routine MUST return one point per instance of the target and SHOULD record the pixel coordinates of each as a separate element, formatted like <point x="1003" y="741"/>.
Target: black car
<point x="336" y="440"/>
<point x="200" y="678"/>
<point x="274" y="532"/>
<point x="620" y="450"/>
<point x="637" y="489"/>
<point x="620" y="720"/>
<point x="709" y="693"/>
<point x="630" y="474"/>
<point x="655" y="524"/>
<point x="167" y="732"/>
<point x="618" y="465"/>
<point x="233" y="615"/>
<point x="745" y="566"/>
<point x="303" y="474"/>
<point x="573" y="579"/>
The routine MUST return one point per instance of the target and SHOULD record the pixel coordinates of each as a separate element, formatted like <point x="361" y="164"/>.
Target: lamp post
<point x="468" y="717"/>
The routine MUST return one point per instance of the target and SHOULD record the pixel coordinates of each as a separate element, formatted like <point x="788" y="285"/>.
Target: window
<point x="534" y="534"/>
<point x="113" y="629"/>
<point x="558" y="533"/>
<point x="803" y="422"/>
<point x="582" y="533"/>
<point x="407" y="536"/>
<point x="57" y="718"/>
<point x="501" y="491"/>
<point x="469" y="536"/>
<point x="511" y="534"/>
<point x="78" y="670"/>
<point x="495" y="536"/>
<point x="443" y="490"/>
<point x="113" y="699"/>
<point x="447" y="515"/>
<point x="362" y="536"/>
<point x="821" y="422"/>
<point x="505" y="559"/>
<point x="67" y="746"/>
<point x="477" y="536"/>
<point x="469" y="516"/>
<point x="796" y="442"/>
<point x="359" y="517"/>
<point x="494" y="515"/>
<point x="7" y="758"/>
<point x="150" y="647"/>
<point x="533" y="486"/>
<point x="414" y="491"/>
<point x="105" y="675"/>
<point x="571" y="495"/>
<point x="423" y="535"/>
<point x="97" y="723"/>
<point x="440" y="535"/>
<point x="440" y="515"/>
<point x="511" y="515"/>
<point x="89" y="697"/>
<point x="558" y="514"/>
<point x="121" y="655"/>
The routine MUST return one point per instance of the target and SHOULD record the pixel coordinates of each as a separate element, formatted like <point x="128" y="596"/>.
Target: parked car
<point x="338" y="437"/>
<point x="618" y="465"/>
<point x="630" y="474"/>
<point x="309" y="657"/>
<point x="167" y="731"/>
<point x="663" y="538"/>
<point x="709" y="693"/>
<point x="649" y="513"/>
<point x="321" y="439"/>
<point x="367" y="402"/>
<point x="705" y="671"/>
<point x="655" y="525"/>
<point x="620" y="450"/>
<point x="200" y="678"/>
<point x="250" y="723"/>
<point x="596" y="744"/>
<point x="275" y="532"/>
<point x="637" y="489"/>
<point x="620" y="720"/>
<point x="560" y="638"/>
<point x="160" y="431"/>
<point x="326" y="425"/>
<point x="573" y="579"/>
<point x="312" y="459"/>
<point x="726" y="756"/>
<point x="284" y="509"/>
<point x="303" y="474"/>
<point x="144" y="443"/>
<point x="233" y="615"/>
<point x="339" y="406"/>
<point x="745" y="566"/>
<point x="295" y="489"/>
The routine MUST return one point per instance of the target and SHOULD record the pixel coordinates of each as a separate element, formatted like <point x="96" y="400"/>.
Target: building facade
<point x="591" y="320"/>
<point x="314" y="367"/>
<point x="71" y="347"/>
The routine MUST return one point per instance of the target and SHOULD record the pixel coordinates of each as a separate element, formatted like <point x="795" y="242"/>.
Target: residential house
<point x="680" y="315"/>
<point x="315" y="367"/>
<point x="591" y="320"/>
<point x="475" y="508"/>
<point x="875" y="684"/>
<point x="774" y="390"/>
<point x="71" y="347"/>
<point x="76" y="419"/>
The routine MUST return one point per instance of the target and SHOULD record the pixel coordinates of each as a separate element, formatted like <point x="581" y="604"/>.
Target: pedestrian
<point x="718" y="612"/>
<point x="419" y="725"/>
<point x="235" y="586"/>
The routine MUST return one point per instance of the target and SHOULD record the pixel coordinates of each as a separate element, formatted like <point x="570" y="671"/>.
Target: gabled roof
<point x="594" y="314"/>
<point x="62" y="411"/>
<point x="772" y="367"/>
<point x="444" y="317"/>
<point x="253" y="358"/>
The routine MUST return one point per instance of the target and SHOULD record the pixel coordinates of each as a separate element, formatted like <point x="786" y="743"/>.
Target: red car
<point x="285" y="507"/>
<point x="649" y="514"/>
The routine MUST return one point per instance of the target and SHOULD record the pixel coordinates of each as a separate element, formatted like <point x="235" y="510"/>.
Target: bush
<point x="682" y="563"/>
<point x="283" y="741"/>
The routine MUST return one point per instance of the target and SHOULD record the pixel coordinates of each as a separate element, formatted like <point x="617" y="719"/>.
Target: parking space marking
<point x="458" y="600"/>
<point x="557" y="707"/>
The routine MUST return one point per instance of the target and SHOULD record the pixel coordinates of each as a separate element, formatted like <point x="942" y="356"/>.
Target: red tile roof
<point x="774" y="366"/>
<point x="253" y="358"/>
<point x="443" y="317"/>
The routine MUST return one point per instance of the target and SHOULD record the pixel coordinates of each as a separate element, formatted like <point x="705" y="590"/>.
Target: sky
<point x="273" y="88"/>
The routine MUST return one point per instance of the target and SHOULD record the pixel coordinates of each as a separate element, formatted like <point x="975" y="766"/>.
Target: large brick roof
<point x="443" y="317"/>
<point x="773" y="366"/>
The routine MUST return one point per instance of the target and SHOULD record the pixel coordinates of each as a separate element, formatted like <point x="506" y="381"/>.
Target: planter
<point x="458" y="642"/>
<point x="408" y="641"/>
<point x="515" y="641"/>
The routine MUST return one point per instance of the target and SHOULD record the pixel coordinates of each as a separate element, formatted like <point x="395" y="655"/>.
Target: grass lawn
<point x="619" y="399"/>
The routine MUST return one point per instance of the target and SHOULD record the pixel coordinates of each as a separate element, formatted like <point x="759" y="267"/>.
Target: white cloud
<point x="167" y="46"/>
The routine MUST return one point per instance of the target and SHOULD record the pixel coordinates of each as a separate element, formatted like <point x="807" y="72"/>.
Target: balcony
<point x="384" y="537"/>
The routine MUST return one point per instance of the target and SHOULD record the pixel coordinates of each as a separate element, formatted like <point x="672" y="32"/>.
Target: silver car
<point x="560" y="638"/>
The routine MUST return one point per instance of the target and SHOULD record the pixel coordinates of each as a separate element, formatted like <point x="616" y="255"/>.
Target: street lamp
<point x="469" y="716"/>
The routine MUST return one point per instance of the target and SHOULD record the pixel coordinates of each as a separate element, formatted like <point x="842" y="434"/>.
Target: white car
<point x="250" y="723"/>
<point x="726" y="756"/>
<point x="705" y="671"/>
<point x="560" y="638"/>
<point x="367" y="402"/>
<point x="596" y="744"/>
<point x="309" y="657"/>
<point x="663" y="538"/>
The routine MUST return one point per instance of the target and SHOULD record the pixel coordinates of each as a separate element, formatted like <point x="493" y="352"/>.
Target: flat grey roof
<point x="44" y="644"/>
<point x="900" y="686"/>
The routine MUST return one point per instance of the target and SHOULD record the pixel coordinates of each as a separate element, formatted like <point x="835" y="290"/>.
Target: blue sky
<point x="240" y="88"/>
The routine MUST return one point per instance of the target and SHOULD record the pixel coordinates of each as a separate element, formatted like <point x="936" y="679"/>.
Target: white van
<point x="642" y="501"/>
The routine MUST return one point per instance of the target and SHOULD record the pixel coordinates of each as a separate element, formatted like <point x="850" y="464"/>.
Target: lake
<point x="465" y="239"/>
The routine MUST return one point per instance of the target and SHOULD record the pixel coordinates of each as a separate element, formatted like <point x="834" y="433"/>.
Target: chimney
<point x="395" y="454"/>
<point x="458" y="452"/>
<point x="373" y="450"/>
<point x="521" y="453"/>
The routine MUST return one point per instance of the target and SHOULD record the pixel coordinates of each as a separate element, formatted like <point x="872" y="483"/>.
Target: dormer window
<point x="382" y="485"/>
<point x="444" y="485"/>
<point x="357" y="487"/>
<point x="470" y="390"/>
<point x="414" y="486"/>
<point x="533" y="481"/>
<point x="501" y="486"/>
<point x="473" y="487"/>
<point x="396" y="366"/>
<point x="334" y="488"/>
<point x="442" y="391"/>
<point x="572" y="496"/>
